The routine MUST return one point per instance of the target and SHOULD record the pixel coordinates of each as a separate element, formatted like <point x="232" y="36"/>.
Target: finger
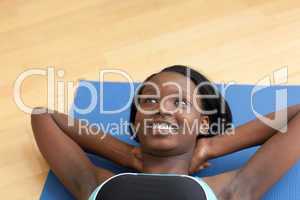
<point x="196" y="168"/>
<point x="137" y="153"/>
<point x="193" y="167"/>
<point x="192" y="170"/>
<point x="203" y="166"/>
<point x="138" y="165"/>
<point x="196" y="164"/>
<point x="207" y="164"/>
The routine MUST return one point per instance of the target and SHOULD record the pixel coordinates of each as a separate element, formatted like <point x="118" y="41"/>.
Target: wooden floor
<point x="233" y="40"/>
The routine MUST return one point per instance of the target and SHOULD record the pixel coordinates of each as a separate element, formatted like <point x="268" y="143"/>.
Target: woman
<point x="168" y="145"/>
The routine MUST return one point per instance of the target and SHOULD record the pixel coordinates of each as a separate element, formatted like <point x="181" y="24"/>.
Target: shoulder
<point x="218" y="182"/>
<point x="102" y="175"/>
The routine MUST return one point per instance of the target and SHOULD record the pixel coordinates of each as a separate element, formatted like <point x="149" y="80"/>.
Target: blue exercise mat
<point x="116" y="95"/>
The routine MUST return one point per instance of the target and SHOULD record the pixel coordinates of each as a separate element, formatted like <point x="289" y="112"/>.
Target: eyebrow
<point x="147" y="89"/>
<point x="151" y="89"/>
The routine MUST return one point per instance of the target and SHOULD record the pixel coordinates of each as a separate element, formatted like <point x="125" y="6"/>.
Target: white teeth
<point x="163" y="126"/>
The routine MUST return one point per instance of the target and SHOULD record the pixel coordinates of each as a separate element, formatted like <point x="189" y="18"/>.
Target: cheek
<point x="189" y="130"/>
<point x="186" y="142"/>
<point x="139" y="120"/>
<point x="190" y="124"/>
<point x="139" y="124"/>
<point x="187" y="137"/>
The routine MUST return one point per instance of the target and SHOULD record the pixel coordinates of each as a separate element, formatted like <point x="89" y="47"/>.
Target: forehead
<point x="171" y="81"/>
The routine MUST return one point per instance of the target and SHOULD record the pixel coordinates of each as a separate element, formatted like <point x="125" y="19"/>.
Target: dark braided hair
<point x="222" y="118"/>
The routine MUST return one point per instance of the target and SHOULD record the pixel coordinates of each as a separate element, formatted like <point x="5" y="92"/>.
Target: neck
<point x="177" y="164"/>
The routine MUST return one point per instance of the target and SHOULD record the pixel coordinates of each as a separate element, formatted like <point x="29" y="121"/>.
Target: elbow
<point x="38" y="116"/>
<point x="38" y="111"/>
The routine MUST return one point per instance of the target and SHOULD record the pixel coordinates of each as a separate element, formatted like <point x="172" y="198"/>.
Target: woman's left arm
<point x="250" y="134"/>
<point x="275" y="157"/>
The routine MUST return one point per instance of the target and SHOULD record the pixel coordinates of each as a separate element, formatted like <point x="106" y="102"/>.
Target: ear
<point x="204" y="125"/>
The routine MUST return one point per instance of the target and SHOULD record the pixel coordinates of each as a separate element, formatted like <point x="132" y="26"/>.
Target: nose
<point x="166" y="107"/>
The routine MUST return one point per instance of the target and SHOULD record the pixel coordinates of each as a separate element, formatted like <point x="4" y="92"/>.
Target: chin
<point x="160" y="145"/>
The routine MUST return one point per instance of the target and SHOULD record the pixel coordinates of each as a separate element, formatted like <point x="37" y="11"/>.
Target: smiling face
<point x="167" y="118"/>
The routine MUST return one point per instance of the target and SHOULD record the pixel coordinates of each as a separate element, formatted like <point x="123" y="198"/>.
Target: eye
<point x="150" y="100"/>
<point x="181" y="102"/>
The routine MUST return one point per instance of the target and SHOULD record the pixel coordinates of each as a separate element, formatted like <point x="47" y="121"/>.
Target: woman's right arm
<point x="66" y="158"/>
<point x="98" y="142"/>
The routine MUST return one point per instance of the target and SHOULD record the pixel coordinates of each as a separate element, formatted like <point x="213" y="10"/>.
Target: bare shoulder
<point x="219" y="182"/>
<point x="103" y="174"/>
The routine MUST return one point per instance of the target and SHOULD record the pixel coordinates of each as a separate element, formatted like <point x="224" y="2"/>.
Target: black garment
<point x="151" y="187"/>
